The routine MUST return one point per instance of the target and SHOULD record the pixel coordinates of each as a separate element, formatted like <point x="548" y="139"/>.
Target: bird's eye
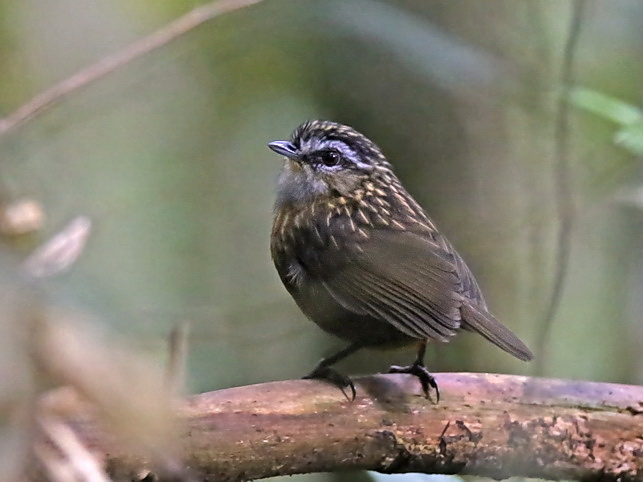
<point x="330" y="158"/>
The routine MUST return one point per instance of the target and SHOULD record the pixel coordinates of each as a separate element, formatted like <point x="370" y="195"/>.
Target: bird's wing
<point x="399" y="277"/>
<point x="417" y="283"/>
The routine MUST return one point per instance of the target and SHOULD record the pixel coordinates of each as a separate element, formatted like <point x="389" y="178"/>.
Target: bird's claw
<point x="426" y="379"/>
<point x="339" y="380"/>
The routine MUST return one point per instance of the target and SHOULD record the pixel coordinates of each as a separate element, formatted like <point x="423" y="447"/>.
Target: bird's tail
<point x="483" y="322"/>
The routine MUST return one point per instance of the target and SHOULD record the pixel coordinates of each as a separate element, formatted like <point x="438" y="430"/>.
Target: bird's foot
<point x="339" y="380"/>
<point x="426" y="379"/>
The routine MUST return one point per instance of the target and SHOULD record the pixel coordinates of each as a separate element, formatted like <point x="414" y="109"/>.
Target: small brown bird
<point x="363" y="260"/>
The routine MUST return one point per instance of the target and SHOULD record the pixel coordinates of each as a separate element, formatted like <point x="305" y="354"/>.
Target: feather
<point x="360" y="256"/>
<point x="402" y="279"/>
<point x="483" y="322"/>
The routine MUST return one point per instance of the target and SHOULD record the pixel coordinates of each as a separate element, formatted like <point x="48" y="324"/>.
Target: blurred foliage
<point x="167" y="158"/>
<point x="629" y="117"/>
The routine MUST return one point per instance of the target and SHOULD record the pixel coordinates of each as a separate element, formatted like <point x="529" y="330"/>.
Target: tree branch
<point x="491" y="425"/>
<point x="111" y="63"/>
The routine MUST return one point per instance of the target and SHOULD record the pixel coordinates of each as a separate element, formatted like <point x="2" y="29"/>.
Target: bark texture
<point x="491" y="425"/>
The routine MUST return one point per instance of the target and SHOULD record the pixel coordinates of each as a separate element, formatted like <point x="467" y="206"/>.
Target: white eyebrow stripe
<point x="344" y="149"/>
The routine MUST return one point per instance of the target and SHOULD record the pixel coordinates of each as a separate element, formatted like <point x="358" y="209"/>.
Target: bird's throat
<point x="299" y="184"/>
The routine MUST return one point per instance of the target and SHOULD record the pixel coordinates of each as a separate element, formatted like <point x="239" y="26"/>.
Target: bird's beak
<point x="285" y="148"/>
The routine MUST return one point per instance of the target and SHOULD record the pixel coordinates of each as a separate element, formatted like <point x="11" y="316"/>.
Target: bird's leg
<point x="419" y="370"/>
<point x="323" y="370"/>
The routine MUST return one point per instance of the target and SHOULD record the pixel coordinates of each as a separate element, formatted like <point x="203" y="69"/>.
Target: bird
<point x="363" y="260"/>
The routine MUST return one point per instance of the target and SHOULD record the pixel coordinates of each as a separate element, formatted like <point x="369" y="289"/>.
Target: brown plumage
<point x="363" y="260"/>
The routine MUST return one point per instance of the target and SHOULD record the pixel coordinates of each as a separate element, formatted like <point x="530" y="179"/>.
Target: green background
<point x="168" y="158"/>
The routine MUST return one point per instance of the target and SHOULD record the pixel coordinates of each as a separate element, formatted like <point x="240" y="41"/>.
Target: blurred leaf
<point x="631" y="138"/>
<point x="605" y="106"/>
<point x="629" y="117"/>
<point x="60" y="252"/>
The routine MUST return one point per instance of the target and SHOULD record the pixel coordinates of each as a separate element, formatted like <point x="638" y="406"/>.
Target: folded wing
<point x="420" y="286"/>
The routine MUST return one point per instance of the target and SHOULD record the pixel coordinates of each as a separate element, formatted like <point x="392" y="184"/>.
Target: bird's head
<point x="325" y="159"/>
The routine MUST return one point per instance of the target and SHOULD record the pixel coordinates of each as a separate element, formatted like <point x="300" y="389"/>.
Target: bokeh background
<point x="168" y="158"/>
